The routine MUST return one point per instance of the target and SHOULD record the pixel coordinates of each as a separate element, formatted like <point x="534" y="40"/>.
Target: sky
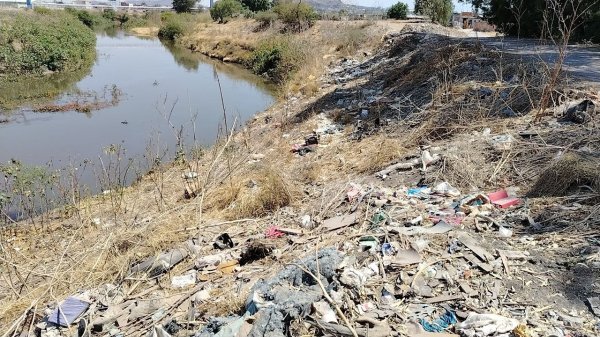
<point x="387" y="3"/>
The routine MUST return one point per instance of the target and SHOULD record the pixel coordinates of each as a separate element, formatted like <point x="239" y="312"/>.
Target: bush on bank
<point x="277" y="58"/>
<point x="36" y="42"/>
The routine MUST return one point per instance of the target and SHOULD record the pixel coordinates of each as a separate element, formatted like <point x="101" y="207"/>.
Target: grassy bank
<point x="38" y="42"/>
<point x="294" y="60"/>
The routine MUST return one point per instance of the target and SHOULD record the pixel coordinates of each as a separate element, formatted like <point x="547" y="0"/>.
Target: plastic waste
<point x="185" y="280"/>
<point x="387" y="249"/>
<point x="324" y="310"/>
<point x="505" y="232"/>
<point x="446" y="189"/>
<point x="306" y="221"/>
<point x="441" y="323"/>
<point x="486" y="325"/>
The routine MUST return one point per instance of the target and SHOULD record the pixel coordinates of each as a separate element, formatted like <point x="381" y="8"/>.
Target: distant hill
<point x="320" y="5"/>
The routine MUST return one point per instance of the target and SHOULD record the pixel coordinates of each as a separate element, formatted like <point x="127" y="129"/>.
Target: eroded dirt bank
<point x="367" y="210"/>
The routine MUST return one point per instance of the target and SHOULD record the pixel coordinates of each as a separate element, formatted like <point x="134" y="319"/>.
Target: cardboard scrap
<point x="471" y="258"/>
<point x="594" y="303"/>
<point x="466" y="288"/>
<point x="440" y="228"/>
<point x="228" y="267"/>
<point x="403" y="258"/>
<point x="443" y="298"/>
<point x="470" y="243"/>
<point x="340" y="221"/>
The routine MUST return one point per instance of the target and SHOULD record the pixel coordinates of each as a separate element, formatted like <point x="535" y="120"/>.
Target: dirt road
<point x="582" y="62"/>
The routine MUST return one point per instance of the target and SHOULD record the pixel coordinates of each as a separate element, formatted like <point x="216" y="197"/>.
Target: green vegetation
<point x="224" y="10"/>
<point x="296" y="16"/>
<point x="173" y="25"/>
<point x="257" y="5"/>
<point x="278" y="58"/>
<point x="266" y="18"/>
<point x="525" y="18"/>
<point x="183" y="6"/>
<point x="171" y="30"/>
<point x="399" y="11"/>
<point x="439" y="11"/>
<point x="26" y="188"/>
<point x="36" y="42"/>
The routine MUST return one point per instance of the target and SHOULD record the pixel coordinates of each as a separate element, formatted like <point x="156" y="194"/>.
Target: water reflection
<point x="35" y="90"/>
<point x="168" y="92"/>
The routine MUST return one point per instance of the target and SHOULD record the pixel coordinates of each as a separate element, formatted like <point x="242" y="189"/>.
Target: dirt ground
<point x="364" y="210"/>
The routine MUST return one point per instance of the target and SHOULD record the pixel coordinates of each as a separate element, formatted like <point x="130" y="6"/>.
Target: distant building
<point x="465" y="20"/>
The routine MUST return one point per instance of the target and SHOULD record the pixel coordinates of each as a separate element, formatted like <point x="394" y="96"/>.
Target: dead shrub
<point x="256" y="194"/>
<point x="375" y="153"/>
<point x="566" y="175"/>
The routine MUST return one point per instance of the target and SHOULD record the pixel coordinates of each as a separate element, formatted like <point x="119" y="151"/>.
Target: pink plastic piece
<point x="273" y="232"/>
<point x="501" y="199"/>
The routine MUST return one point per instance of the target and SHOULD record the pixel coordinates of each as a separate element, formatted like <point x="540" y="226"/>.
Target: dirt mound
<point x="568" y="174"/>
<point x="432" y="28"/>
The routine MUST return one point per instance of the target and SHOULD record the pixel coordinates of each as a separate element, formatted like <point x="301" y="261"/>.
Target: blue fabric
<point x="440" y="324"/>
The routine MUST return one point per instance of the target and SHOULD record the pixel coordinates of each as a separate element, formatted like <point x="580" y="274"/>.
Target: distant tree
<point x="223" y="10"/>
<point x="122" y="18"/>
<point x="183" y="6"/>
<point x="257" y="5"/>
<point x="296" y="16"/>
<point x="109" y="13"/>
<point x="439" y="11"/>
<point x="399" y="11"/>
<point x="526" y="18"/>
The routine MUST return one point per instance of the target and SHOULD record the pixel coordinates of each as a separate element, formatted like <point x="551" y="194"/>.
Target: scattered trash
<point x="273" y="232"/>
<point x="68" y="311"/>
<point x="185" y="280"/>
<point x="501" y="199"/>
<point x="441" y="323"/>
<point x="256" y="251"/>
<point x="306" y="222"/>
<point x="159" y="264"/>
<point x="505" y="232"/>
<point x="440" y="228"/>
<point x="326" y="313"/>
<point x="223" y="241"/>
<point x="594" y="303"/>
<point x="502" y="142"/>
<point x="158" y="331"/>
<point x="312" y="139"/>
<point x="190" y="175"/>
<point x="339" y="222"/>
<point x="581" y="113"/>
<point x="446" y="189"/>
<point x="486" y="325"/>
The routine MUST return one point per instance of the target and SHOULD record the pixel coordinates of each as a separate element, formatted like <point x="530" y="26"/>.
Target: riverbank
<point x="302" y="57"/>
<point x="415" y="132"/>
<point x="35" y="43"/>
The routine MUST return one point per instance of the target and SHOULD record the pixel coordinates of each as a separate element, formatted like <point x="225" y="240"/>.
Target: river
<point x="162" y="90"/>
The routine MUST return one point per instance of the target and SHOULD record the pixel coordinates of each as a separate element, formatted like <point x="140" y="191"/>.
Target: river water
<point x="162" y="90"/>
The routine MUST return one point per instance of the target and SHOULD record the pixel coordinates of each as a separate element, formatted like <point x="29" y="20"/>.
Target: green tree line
<point x="541" y="18"/>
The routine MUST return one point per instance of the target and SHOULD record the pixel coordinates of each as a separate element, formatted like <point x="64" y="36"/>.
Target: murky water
<point x="165" y="90"/>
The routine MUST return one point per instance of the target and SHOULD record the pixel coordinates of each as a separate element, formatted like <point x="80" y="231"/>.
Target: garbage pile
<point x="427" y="261"/>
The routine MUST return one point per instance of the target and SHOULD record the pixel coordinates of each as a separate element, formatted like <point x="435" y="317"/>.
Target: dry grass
<point x="374" y="153"/>
<point x="255" y="194"/>
<point x="145" y="31"/>
<point x="570" y="172"/>
<point x="321" y="44"/>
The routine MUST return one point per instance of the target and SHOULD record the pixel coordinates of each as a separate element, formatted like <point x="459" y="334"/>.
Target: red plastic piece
<point x="501" y="199"/>
<point x="273" y="232"/>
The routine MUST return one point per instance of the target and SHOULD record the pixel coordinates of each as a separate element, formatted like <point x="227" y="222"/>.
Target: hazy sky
<point x="387" y="3"/>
